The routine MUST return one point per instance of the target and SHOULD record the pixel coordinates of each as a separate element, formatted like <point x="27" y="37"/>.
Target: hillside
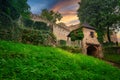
<point x="27" y="62"/>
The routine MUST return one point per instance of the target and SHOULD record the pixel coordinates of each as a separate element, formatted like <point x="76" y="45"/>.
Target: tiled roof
<point x="86" y="25"/>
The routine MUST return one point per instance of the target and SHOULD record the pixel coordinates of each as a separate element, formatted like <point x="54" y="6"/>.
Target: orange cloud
<point x="63" y="4"/>
<point x="69" y="20"/>
<point x="69" y="13"/>
<point x="68" y="9"/>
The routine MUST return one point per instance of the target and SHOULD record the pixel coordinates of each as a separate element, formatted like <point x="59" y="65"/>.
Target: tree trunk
<point x="108" y="34"/>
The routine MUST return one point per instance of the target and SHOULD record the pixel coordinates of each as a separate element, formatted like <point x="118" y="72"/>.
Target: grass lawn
<point x="27" y="62"/>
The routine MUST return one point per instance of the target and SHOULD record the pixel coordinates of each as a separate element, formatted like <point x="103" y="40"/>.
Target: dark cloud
<point x="38" y="5"/>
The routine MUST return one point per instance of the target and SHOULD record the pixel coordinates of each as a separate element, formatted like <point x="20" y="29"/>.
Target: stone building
<point x="90" y="44"/>
<point x="59" y="30"/>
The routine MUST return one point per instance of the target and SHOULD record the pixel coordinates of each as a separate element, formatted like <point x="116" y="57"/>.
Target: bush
<point x="41" y="26"/>
<point x="27" y="22"/>
<point x="37" y="25"/>
<point x="11" y="33"/>
<point x="111" y="50"/>
<point x="5" y="34"/>
<point x="62" y="42"/>
<point x="37" y="37"/>
<point x="76" y="34"/>
<point x="112" y="54"/>
<point x="109" y="44"/>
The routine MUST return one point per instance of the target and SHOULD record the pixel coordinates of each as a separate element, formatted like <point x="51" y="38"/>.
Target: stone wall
<point x="87" y="38"/>
<point x="60" y="31"/>
<point x="111" y="50"/>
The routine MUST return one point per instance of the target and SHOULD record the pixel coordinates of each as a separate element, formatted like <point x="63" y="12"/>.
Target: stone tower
<point x="90" y="43"/>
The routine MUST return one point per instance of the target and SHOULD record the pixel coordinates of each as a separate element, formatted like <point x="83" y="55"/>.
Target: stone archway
<point x="92" y="51"/>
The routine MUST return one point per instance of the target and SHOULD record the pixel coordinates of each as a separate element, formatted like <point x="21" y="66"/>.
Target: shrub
<point x="62" y="42"/>
<point x="37" y="37"/>
<point x="27" y="22"/>
<point x="41" y="26"/>
<point x="11" y="33"/>
<point x="109" y="44"/>
<point x="112" y="54"/>
<point x="76" y="34"/>
<point x="37" y="25"/>
<point x="111" y="50"/>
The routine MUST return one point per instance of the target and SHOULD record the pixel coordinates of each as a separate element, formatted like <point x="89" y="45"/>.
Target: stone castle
<point x="90" y="44"/>
<point x="59" y="30"/>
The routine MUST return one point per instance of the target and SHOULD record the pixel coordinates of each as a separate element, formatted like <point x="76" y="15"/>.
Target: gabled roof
<point x="86" y="25"/>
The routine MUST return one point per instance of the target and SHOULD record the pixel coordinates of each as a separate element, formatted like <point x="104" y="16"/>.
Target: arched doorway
<point x="92" y="51"/>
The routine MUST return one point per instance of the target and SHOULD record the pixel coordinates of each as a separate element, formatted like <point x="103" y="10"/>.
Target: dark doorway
<point x="92" y="51"/>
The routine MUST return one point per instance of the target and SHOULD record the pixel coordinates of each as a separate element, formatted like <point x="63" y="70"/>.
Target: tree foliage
<point x="14" y="8"/>
<point x="51" y="16"/>
<point x="27" y="22"/>
<point x="37" y="37"/>
<point x="76" y="34"/>
<point x="102" y="14"/>
<point x="10" y="12"/>
<point x="37" y="25"/>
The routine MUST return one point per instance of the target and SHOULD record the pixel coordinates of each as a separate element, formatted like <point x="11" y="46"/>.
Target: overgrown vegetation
<point x="62" y="42"/>
<point x="76" y="34"/>
<point x="112" y="54"/>
<point x="37" y="37"/>
<point x="10" y="13"/>
<point x="112" y="57"/>
<point x="51" y="15"/>
<point x="26" y="62"/>
<point x="40" y="34"/>
<point x="37" y="25"/>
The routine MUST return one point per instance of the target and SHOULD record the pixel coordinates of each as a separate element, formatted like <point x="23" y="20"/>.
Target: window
<point x="92" y="34"/>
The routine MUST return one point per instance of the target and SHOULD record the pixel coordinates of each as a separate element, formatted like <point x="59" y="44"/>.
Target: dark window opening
<point x="92" y="34"/>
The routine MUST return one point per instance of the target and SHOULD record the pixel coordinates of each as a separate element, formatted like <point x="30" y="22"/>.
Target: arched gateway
<point x="91" y="50"/>
<point x="89" y="44"/>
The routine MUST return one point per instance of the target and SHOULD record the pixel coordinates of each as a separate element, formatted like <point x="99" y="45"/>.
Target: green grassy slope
<point x="28" y="62"/>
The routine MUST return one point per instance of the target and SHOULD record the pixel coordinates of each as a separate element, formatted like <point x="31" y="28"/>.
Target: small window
<point x="92" y="34"/>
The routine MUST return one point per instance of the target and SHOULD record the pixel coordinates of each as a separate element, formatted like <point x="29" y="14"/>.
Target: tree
<point x="10" y="12"/>
<point x="102" y="14"/>
<point x="50" y="15"/>
<point x="13" y="9"/>
<point x="21" y="7"/>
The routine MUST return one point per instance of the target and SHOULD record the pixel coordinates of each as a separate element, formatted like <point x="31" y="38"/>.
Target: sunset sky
<point x="68" y="8"/>
<point x="118" y="36"/>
